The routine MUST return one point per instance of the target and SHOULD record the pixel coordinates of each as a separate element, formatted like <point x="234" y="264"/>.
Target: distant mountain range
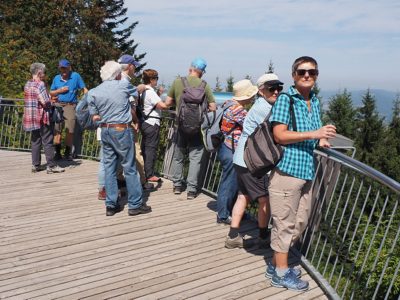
<point x="384" y="100"/>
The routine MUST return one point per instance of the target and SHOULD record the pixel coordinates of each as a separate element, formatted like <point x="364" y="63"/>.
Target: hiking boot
<point x="191" y="195"/>
<point x="148" y="186"/>
<point x="110" y="211"/>
<point x="39" y="168"/>
<point x="271" y="271"/>
<point x="154" y="179"/>
<point x="290" y="281"/>
<point x="102" y="194"/>
<point x="225" y="221"/>
<point x="238" y="242"/>
<point x="55" y="169"/>
<point x="143" y="209"/>
<point x="264" y="243"/>
<point x="177" y="190"/>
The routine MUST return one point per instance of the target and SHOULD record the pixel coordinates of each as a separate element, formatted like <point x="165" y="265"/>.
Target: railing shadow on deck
<point x="351" y="246"/>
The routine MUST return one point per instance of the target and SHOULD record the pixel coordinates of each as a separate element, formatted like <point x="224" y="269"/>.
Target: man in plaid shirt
<point x="37" y="120"/>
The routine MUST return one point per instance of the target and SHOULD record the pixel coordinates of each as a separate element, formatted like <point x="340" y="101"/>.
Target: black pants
<point x="44" y="136"/>
<point x="150" y="139"/>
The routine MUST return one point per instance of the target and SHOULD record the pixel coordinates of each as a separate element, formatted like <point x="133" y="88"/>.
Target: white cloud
<point x="241" y="37"/>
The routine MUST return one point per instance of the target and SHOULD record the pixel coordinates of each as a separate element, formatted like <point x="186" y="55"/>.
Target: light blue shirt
<point x="110" y="100"/>
<point x="74" y="84"/>
<point x="255" y="116"/>
<point x="298" y="160"/>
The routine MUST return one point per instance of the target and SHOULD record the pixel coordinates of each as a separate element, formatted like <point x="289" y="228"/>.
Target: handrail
<point x="363" y="168"/>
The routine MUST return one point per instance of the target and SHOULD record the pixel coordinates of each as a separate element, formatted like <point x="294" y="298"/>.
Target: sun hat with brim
<point x="269" y="79"/>
<point x="110" y="70"/>
<point x="243" y="90"/>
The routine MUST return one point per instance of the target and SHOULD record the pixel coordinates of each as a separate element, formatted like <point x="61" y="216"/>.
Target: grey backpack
<point x="192" y="107"/>
<point x="211" y="128"/>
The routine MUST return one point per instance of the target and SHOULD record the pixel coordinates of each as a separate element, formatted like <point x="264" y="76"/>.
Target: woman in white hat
<point x="252" y="188"/>
<point x="232" y="123"/>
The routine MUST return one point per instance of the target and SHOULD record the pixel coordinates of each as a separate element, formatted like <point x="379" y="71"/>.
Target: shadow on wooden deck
<point x="56" y="242"/>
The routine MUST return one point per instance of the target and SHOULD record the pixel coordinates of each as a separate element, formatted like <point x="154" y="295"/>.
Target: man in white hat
<point x="109" y="105"/>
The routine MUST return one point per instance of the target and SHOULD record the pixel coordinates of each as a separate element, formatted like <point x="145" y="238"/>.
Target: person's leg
<point x="150" y="137"/>
<point x="70" y="119"/>
<point x="228" y="183"/>
<point x="303" y="211"/>
<point x="139" y="163"/>
<point x="125" y="147"/>
<point x="101" y="176"/>
<point x="57" y="140"/>
<point x="263" y="218"/>
<point x="36" y="142"/>
<point x="177" y="162"/>
<point x="46" y="132"/>
<point x="195" y="158"/>
<point x="110" y="167"/>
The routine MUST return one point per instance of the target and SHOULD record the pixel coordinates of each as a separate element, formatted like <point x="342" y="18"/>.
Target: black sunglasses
<point x="274" y="88"/>
<point x="311" y="72"/>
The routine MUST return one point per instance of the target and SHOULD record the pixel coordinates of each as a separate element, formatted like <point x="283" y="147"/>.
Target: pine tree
<point x="270" y="67"/>
<point x="218" y="87"/>
<point x="341" y="113"/>
<point x="229" y="84"/>
<point x="370" y="131"/>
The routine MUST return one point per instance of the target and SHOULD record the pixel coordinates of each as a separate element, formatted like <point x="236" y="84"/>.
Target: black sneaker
<point x="143" y="209"/>
<point x="177" y="190"/>
<point x="57" y="156"/>
<point x="148" y="186"/>
<point x="110" y="211"/>
<point x="191" y="195"/>
<point x="39" y="168"/>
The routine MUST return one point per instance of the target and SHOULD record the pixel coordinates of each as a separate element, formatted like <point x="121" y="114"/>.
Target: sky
<point x="356" y="43"/>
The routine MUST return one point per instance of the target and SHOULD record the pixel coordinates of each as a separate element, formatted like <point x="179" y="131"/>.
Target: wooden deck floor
<point x="56" y="242"/>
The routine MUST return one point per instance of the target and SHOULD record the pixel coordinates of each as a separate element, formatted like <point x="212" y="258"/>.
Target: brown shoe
<point x="102" y="194"/>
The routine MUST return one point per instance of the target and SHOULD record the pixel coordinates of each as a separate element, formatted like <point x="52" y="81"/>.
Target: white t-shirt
<point x="150" y="100"/>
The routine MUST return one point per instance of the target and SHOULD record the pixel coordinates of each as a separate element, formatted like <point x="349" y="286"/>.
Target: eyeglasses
<point x="274" y="88"/>
<point x="311" y="72"/>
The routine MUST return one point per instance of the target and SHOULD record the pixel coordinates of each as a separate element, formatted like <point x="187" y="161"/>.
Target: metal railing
<point x="351" y="246"/>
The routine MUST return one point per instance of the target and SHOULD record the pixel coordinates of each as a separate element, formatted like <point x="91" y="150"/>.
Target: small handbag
<point x="261" y="153"/>
<point x="56" y="114"/>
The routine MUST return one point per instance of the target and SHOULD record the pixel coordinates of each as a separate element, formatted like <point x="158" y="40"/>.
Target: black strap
<point x="185" y="83"/>
<point x="142" y="99"/>
<point x="291" y="111"/>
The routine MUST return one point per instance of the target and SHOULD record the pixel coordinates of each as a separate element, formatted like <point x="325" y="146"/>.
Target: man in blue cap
<point x="182" y="141"/>
<point x="66" y="87"/>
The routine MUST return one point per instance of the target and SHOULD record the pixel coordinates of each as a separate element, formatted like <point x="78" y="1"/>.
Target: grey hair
<point x="37" y="67"/>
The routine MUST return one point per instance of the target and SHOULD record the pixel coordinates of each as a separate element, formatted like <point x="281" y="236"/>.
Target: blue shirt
<point x="74" y="84"/>
<point x="110" y="100"/>
<point x="297" y="159"/>
<point x="255" y="116"/>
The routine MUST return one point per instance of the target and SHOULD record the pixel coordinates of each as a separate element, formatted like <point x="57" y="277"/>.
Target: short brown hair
<point x="302" y="60"/>
<point x="149" y="74"/>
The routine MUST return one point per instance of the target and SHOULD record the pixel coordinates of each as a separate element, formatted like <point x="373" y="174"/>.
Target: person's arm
<point x="212" y="106"/>
<point x="284" y="136"/>
<point x="59" y="91"/>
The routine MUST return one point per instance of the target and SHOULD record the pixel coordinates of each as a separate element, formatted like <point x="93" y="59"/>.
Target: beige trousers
<point x="291" y="204"/>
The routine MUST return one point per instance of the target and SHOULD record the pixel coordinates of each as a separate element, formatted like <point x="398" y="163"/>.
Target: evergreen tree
<point x="248" y="77"/>
<point x="270" y="67"/>
<point x="218" y="87"/>
<point x="370" y="131"/>
<point x="229" y="84"/>
<point x="86" y="32"/>
<point x="341" y="113"/>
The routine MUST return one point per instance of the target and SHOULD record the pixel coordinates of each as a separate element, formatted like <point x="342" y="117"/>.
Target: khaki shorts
<point x="290" y="199"/>
<point x="69" y="118"/>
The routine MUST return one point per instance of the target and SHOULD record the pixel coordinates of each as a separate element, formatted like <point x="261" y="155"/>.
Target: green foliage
<point x="341" y="113"/>
<point x="271" y="67"/>
<point x="218" y="87"/>
<point x="85" y="32"/>
<point x="229" y="84"/>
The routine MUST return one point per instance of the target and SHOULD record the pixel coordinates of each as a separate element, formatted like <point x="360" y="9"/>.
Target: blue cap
<point x="127" y="59"/>
<point x="63" y="63"/>
<point x="200" y="64"/>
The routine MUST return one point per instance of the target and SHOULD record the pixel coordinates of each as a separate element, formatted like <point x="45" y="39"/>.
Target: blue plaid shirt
<point x="298" y="160"/>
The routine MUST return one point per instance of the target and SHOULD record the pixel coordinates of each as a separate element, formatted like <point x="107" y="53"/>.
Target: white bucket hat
<point x="243" y="90"/>
<point x="110" y="70"/>
<point x="269" y="79"/>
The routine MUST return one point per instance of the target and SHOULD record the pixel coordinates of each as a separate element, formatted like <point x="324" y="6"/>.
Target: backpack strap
<point x="185" y="82"/>
<point x="143" y="97"/>
<point x="291" y="111"/>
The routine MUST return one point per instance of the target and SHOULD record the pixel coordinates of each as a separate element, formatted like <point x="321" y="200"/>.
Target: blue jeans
<point x="102" y="172"/>
<point x="228" y="186"/>
<point x="119" y="143"/>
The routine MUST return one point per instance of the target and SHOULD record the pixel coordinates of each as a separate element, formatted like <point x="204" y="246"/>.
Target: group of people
<point x="284" y="195"/>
